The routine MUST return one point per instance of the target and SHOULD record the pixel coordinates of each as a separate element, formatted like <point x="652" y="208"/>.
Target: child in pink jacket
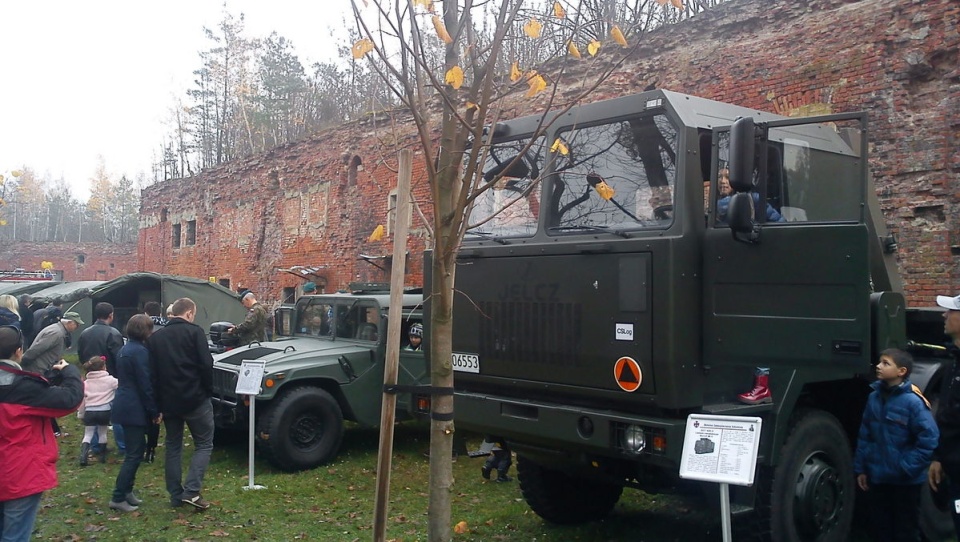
<point x="98" y="391"/>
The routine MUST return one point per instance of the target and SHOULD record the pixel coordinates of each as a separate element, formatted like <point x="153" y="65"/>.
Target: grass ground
<point x="335" y="502"/>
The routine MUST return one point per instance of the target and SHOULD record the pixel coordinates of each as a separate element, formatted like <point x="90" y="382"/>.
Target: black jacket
<point x="134" y="403"/>
<point x="100" y="339"/>
<point x="182" y="367"/>
<point x="948" y="417"/>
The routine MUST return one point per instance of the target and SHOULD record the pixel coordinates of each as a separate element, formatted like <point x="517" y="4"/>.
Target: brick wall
<point x="315" y="202"/>
<point x="78" y="261"/>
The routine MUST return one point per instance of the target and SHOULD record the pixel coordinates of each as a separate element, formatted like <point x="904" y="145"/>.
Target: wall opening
<point x="191" y="233"/>
<point x="175" y="235"/>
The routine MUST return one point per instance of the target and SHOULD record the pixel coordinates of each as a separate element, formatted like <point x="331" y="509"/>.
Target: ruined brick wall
<point x="78" y="261"/>
<point x="315" y="202"/>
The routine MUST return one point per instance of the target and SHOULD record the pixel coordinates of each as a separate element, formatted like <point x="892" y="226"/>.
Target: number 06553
<point x="466" y="363"/>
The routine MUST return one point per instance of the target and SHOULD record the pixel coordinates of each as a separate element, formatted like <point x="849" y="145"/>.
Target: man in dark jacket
<point x="946" y="458"/>
<point x="102" y="339"/>
<point x="183" y="383"/>
<point x="28" y="450"/>
<point x="26" y="317"/>
<point x="44" y="317"/>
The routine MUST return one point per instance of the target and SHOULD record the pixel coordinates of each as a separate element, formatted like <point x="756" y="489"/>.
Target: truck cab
<point x="623" y="293"/>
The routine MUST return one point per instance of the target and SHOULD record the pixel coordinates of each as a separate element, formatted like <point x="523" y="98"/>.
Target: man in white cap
<point x="946" y="458"/>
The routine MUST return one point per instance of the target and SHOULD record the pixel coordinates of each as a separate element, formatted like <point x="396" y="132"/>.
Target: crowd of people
<point x="162" y="373"/>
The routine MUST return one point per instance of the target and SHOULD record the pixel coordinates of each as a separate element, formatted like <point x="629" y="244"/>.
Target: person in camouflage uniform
<point x="252" y="327"/>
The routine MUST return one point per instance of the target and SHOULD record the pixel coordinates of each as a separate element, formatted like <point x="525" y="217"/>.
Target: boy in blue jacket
<point x="896" y="442"/>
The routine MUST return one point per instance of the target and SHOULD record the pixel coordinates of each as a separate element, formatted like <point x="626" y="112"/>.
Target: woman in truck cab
<point x="726" y="191"/>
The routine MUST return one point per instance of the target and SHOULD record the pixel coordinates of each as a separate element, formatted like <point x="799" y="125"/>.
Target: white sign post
<point x="248" y="383"/>
<point x="721" y="449"/>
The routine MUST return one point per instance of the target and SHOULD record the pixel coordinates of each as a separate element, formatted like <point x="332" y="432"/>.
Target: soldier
<point x="252" y="327"/>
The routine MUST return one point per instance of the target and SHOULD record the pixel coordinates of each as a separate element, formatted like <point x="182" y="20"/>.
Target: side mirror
<point x="742" y="154"/>
<point x="740" y="218"/>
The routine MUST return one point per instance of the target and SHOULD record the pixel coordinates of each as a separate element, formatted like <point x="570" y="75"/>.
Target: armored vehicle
<point x="622" y="292"/>
<point x="325" y="366"/>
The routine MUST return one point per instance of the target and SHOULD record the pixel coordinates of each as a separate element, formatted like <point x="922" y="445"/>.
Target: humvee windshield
<point x="345" y="319"/>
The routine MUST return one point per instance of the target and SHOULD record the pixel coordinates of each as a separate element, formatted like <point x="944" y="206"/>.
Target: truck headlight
<point x="633" y="439"/>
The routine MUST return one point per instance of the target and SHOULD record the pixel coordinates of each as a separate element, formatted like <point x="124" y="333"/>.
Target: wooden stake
<point x="388" y="411"/>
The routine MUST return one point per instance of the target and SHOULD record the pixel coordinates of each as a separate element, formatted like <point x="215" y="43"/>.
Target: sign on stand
<point x="721" y="449"/>
<point x="248" y="383"/>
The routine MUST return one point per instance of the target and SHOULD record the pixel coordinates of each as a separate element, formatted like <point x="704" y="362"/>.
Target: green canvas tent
<point x="129" y="293"/>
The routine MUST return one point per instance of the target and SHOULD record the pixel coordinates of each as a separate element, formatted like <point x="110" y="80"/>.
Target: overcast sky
<point x="99" y="77"/>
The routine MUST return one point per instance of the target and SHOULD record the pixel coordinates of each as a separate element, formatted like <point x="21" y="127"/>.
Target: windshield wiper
<point x="488" y="235"/>
<point x="586" y="227"/>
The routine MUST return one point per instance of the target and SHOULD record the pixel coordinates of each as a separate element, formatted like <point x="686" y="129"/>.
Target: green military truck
<point x="624" y="294"/>
<point x="325" y="366"/>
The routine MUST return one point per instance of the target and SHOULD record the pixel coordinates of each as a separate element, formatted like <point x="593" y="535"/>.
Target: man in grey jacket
<point x="50" y="343"/>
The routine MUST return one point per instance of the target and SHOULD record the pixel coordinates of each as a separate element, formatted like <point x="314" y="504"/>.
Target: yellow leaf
<point x="515" y="74"/>
<point x="559" y="146"/>
<point x="362" y="47"/>
<point x="377" y="234"/>
<point x="461" y="528"/>
<point x="662" y="2"/>
<point x="593" y="48"/>
<point x="537" y="84"/>
<point x="573" y="50"/>
<point x="532" y="28"/>
<point x="604" y="190"/>
<point x="428" y="4"/>
<point x="558" y="11"/>
<point x="677" y="3"/>
<point x="1" y="179"/>
<point x="3" y="222"/>
<point x="471" y="105"/>
<point x="2" y="203"/>
<point x="441" y="30"/>
<point x="16" y="173"/>
<point x="617" y="36"/>
<point x="454" y="77"/>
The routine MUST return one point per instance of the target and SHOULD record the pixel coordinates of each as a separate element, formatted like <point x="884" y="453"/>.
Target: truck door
<point x="795" y="290"/>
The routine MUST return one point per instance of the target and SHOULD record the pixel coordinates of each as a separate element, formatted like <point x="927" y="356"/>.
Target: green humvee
<point x="325" y="367"/>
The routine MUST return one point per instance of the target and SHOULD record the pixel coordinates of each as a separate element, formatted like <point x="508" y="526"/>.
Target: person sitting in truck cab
<point x="415" y="335"/>
<point x="726" y="192"/>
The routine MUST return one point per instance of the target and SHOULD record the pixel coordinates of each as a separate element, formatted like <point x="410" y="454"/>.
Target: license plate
<point x="466" y="363"/>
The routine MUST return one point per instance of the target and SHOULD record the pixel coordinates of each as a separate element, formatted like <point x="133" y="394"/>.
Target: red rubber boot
<point x="760" y="392"/>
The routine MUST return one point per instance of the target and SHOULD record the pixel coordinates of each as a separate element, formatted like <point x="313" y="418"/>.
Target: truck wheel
<point x="301" y="429"/>
<point x="562" y="499"/>
<point x="813" y="486"/>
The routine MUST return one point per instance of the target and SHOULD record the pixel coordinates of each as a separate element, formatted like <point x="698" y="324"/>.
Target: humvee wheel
<point x="562" y="499"/>
<point x="813" y="486"/>
<point x="301" y="429"/>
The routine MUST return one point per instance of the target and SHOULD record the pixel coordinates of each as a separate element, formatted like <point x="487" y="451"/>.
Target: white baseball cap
<point x="951" y="303"/>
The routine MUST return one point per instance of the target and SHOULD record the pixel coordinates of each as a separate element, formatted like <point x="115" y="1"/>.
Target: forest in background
<point x="252" y="94"/>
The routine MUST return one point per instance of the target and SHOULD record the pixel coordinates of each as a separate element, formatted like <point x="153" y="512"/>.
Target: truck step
<point x="737" y="409"/>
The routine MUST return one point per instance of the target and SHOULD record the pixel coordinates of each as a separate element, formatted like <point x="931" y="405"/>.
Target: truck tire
<point x="301" y="429"/>
<point x="812" y="495"/>
<point x="563" y="499"/>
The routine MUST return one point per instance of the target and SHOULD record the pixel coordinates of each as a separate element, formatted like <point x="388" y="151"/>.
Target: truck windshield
<point x="511" y="205"/>
<point x="617" y="176"/>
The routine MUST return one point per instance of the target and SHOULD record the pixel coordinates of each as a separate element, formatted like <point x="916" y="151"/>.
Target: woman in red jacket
<point x="28" y="450"/>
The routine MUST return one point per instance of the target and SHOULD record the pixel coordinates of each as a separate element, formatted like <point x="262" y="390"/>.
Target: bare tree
<point x="497" y="58"/>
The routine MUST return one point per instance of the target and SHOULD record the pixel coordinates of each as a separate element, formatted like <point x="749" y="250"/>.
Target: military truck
<point x="623" y="255"/>
<point x="325" y="366"/>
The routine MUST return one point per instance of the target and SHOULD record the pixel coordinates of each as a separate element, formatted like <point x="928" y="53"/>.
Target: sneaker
<point x="123" y="506"/>
<point x="197" y="502"/>
<point x="503" y="478"/>
<point x="485" y="472"/>
<point x="133" y="499"/>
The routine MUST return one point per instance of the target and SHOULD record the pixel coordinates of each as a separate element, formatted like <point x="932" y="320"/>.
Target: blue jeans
<point x="200" y="422"/>
<point x="118" y="436"/>
<point x="16" y="521"/>
<point x="136" y="442"/>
